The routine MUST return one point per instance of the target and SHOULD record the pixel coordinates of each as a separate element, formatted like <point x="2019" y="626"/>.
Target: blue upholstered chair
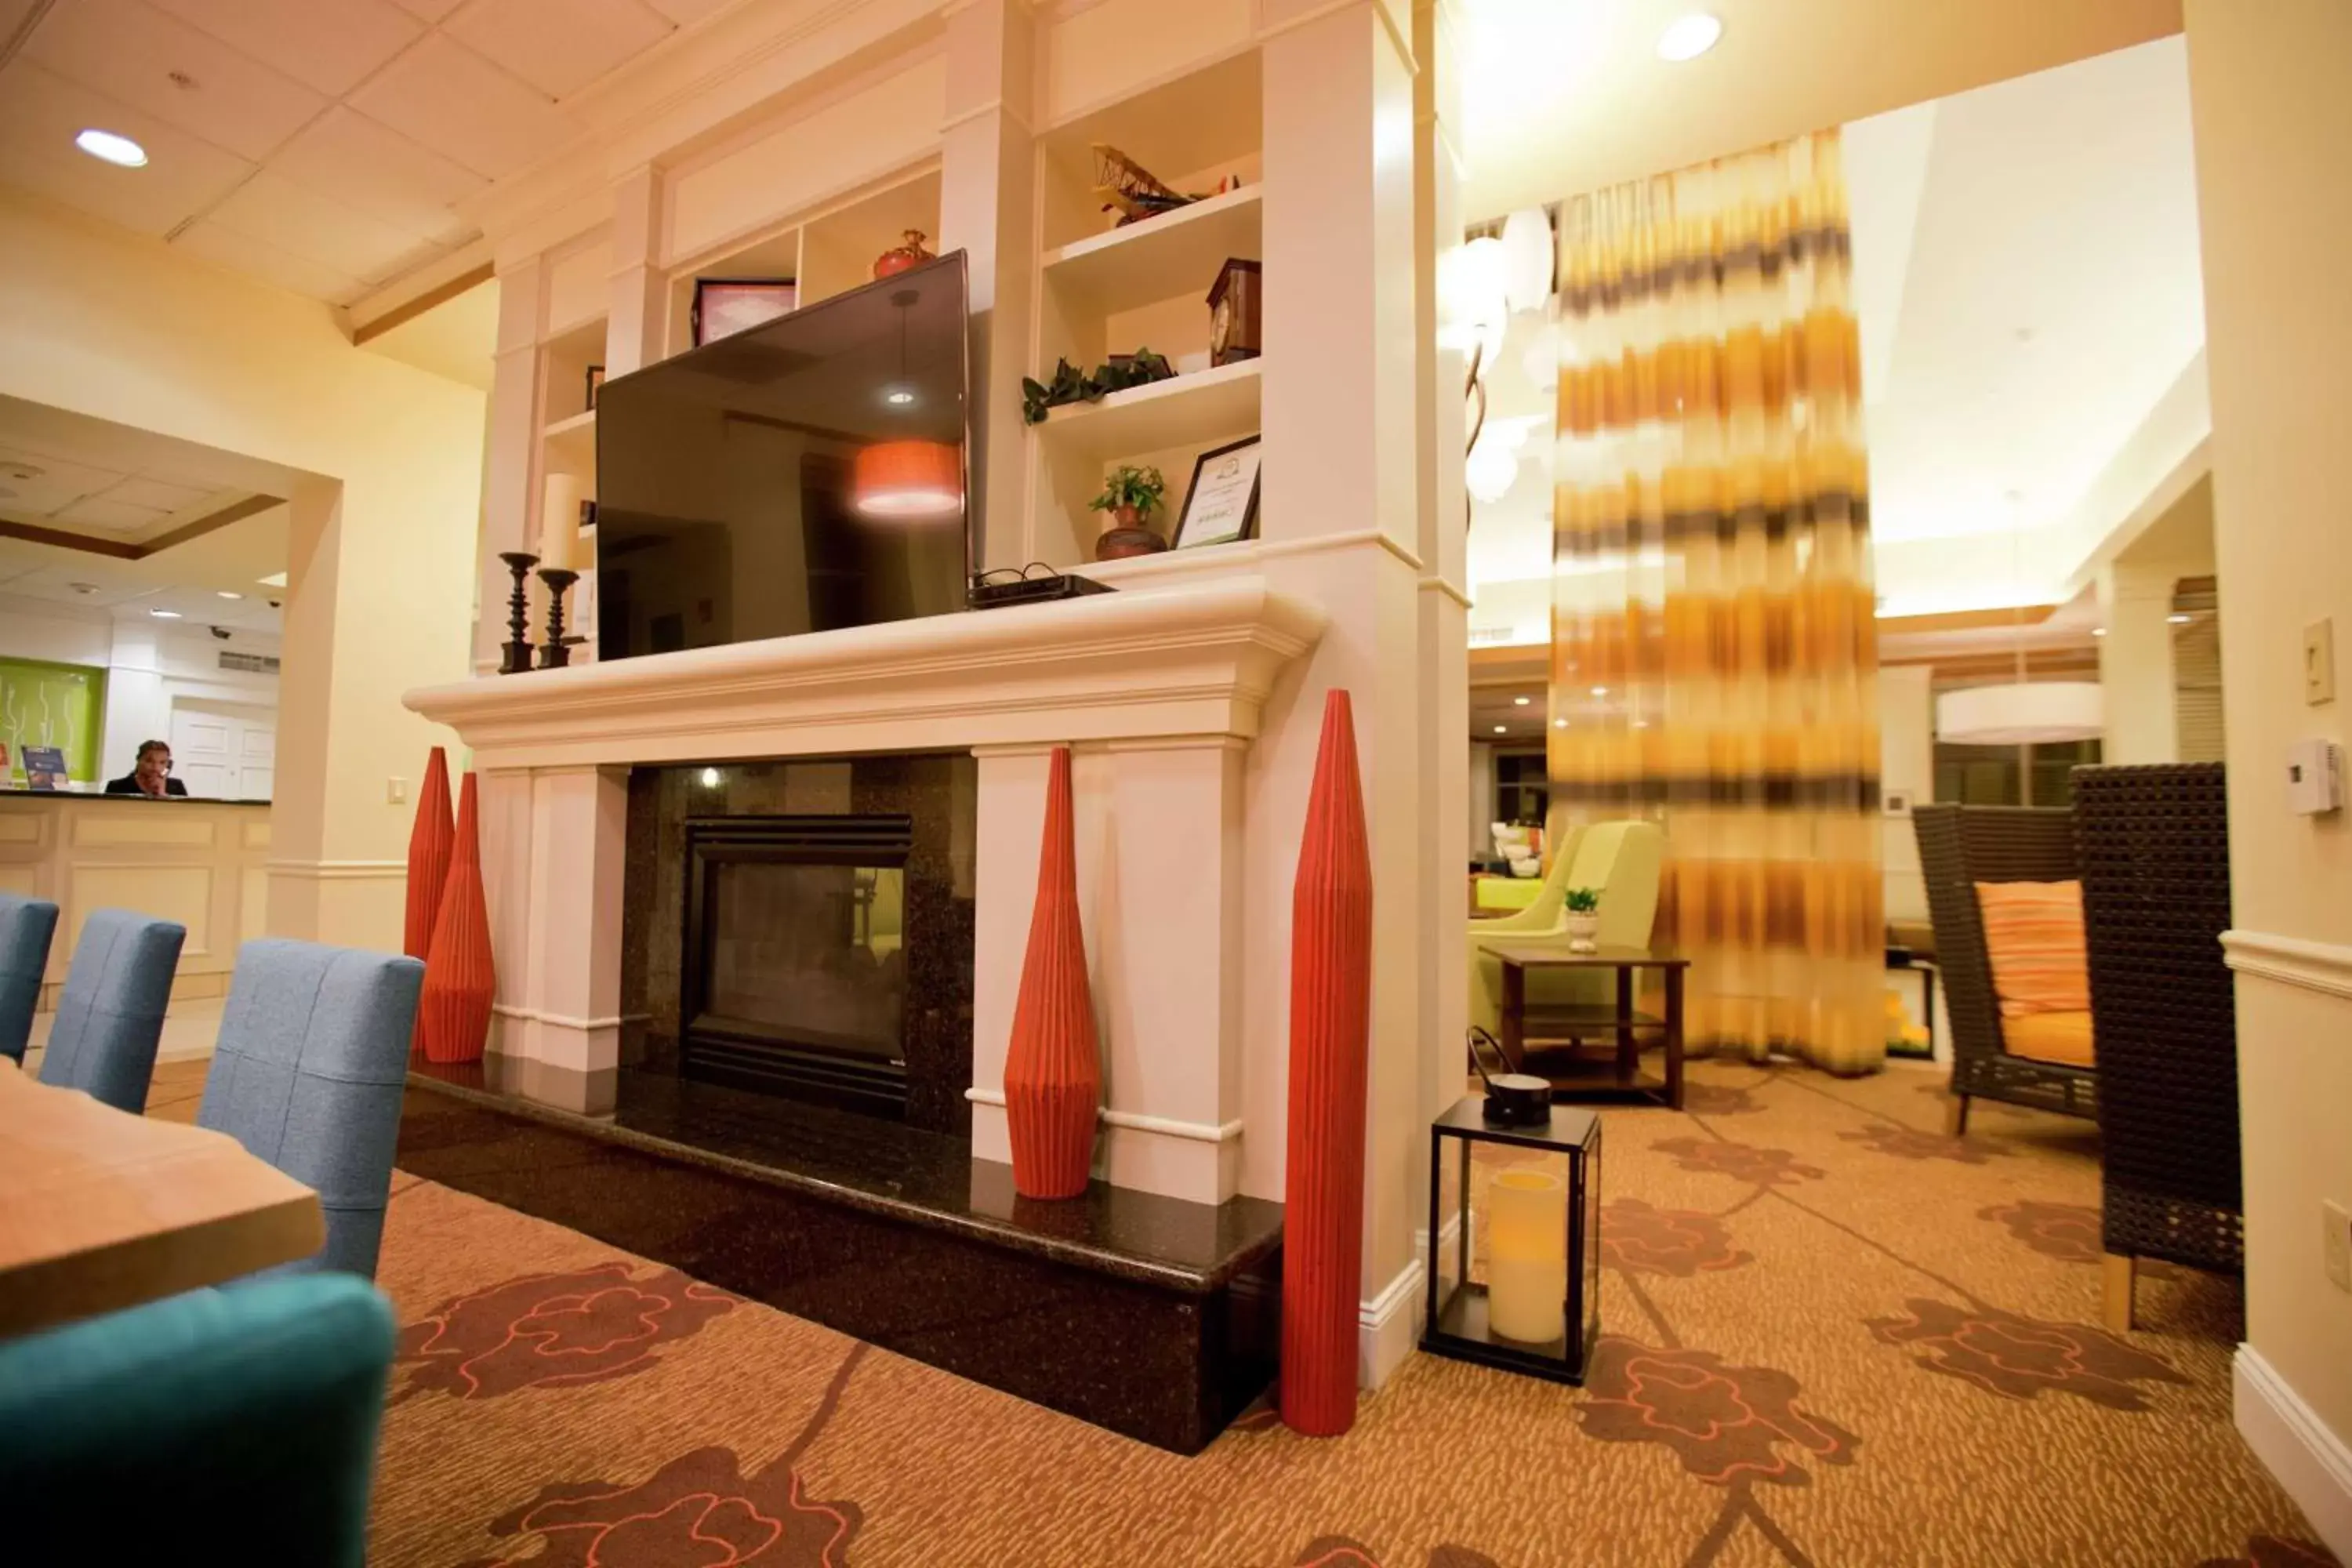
<point x="110" y="1012"/>
<point x="25" y="927"/>
<point x="235" y="1426"/>
<point x="307" y="1075"/>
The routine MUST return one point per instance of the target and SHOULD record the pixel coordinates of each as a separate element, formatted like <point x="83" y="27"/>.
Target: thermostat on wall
<point x="2315" y="777"/>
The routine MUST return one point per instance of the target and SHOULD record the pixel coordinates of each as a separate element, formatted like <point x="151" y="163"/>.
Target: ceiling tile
<point x="161" y="494"/>
<point x="331" y="45"/>
<point x="113" y="516"/>
<point x="241" y="253"/>
<point x="129" y="50"/>
<point x="40" y="112"/>
<point x="464" y="107"/>
<point x="59" y="484"/>
<point x="430" y="10"/>
<point x="685" y="11"/>
<point x="275" y="210"/>
<point x="559" y="45"/>
<point x="380" y="172"/>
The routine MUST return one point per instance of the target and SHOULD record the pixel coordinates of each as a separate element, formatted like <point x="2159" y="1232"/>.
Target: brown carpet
<point x="1832" y="1337"/>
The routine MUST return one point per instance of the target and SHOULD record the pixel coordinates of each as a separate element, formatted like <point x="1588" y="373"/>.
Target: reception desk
<point x="203" y="863"/>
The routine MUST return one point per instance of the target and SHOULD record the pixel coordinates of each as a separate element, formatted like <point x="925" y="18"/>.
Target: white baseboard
<point x="2296" y="1446"/>
<point x="1387" y="1327"/>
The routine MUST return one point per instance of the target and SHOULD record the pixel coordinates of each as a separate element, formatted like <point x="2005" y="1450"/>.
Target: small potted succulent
<point x="1583" y="920"/>
<point x="1130" y="496"/>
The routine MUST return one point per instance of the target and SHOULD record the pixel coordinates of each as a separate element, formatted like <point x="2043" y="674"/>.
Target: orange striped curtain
<point x="1715" y="653"/>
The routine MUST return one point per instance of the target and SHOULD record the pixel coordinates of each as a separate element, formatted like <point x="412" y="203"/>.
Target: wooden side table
<point x="1529" y="1037"/>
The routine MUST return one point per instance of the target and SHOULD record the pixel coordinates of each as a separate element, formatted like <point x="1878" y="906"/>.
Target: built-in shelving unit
<point x="1106" y="288"/>
<point x="571" y="446"/>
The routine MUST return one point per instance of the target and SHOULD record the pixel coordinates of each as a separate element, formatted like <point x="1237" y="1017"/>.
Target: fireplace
<point x="805" y="929"/>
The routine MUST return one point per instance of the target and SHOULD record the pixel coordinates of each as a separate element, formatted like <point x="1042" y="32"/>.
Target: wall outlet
<point x="2319" y="662"/>
<point x="2338" y="1249"/>
<point x="395" y="792"/>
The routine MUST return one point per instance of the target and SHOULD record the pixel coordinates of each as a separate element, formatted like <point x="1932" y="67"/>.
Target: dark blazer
<point x="128" y="785"/>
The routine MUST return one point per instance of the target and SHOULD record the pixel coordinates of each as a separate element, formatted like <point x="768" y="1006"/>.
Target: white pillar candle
<point x="559" y="521"/>
<point x="1527" y="1256"/>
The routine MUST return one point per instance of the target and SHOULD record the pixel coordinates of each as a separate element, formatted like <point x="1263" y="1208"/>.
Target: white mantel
<point x="1160" y="692"/>
<point x="1189" y="660"/>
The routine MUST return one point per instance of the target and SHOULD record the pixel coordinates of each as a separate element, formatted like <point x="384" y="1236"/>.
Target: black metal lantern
<point x="1532" y="1303"/>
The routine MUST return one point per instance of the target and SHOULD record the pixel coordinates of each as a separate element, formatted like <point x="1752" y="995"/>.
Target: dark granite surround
<point x="925" y="805"/>
<point x="1149" y="1316"/>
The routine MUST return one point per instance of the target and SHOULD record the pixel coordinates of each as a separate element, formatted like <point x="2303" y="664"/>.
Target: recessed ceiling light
<point x="83" y="587"/>
<point x="899" y="397"/>
<point x="1641" y="723"/>
<point x="1559" y="724"/>
<point x="710" y="778"/>
<point x="1502" y="728"/>
<point x="106" y="147"/>
<point x="1688" y="38"/>
<point x="1521" y="701"/>
<point x="228" y="593"/>
<point x="274" y="579"/>
<point x="2098" y="631"/>
<point x="1601" y="692"/>
<point x="2179" y="618"/>
<point x="166" y="614"/>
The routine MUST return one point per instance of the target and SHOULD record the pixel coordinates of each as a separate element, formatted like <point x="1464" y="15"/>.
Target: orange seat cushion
<point x="2063" y="1038"/>
<point x="2033" y="936"/>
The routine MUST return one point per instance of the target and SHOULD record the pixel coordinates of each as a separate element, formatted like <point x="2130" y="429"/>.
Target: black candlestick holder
<point x="555" y="653"/>
<point x="518" y="643"/>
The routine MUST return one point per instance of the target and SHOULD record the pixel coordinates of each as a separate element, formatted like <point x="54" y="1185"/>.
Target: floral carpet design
<point x="1830" y="1335"/>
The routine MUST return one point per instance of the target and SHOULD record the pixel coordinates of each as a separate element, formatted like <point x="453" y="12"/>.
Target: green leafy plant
<point x="1120" y="371"/>
<point x="1139" y="487"/>
<point x="1583" y="900"/>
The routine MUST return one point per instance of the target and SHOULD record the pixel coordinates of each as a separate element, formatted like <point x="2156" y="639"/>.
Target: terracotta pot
<point x="1128" y="535"/>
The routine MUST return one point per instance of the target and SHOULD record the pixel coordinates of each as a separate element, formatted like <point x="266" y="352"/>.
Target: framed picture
<point x="725" y="306"/>
<point x="1222" y="505"/>
<point x="595" y="381"/>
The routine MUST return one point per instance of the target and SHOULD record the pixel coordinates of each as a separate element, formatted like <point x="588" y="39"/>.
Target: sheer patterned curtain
<point x="1715" y="655"/>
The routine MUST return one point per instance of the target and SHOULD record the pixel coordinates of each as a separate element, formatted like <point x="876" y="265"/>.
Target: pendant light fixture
<point x="911" y="480"/>
<point x="2021" y="712"/>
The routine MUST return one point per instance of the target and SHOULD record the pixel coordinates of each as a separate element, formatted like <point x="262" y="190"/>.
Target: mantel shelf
<point x="1183" y="411"/>
<point x="1162" y="257"/>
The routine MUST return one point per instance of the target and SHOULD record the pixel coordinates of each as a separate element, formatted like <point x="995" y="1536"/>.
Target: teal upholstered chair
<point x="25" y="927"/>
<point x="229" y="1425"/>
<point x="110" y="1014"/>
<point x="307" y="1075"/>
<point x="1619" y="859"/>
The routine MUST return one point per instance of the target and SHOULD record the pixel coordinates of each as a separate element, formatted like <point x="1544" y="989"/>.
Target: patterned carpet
<point x="1832" y="1336"/>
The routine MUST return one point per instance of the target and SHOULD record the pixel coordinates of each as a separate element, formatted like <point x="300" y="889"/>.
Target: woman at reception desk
<point x="201" y="862"/>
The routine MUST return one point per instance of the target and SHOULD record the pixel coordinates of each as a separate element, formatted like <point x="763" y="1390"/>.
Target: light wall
<point x="385" y="466"/>
<point x="1906" y="766"/>
<point x="2271" y="88"/>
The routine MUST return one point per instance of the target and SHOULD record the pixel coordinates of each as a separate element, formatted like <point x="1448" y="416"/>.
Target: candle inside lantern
<point x="1527" y="1256"/>
<point x="559" y="521"/>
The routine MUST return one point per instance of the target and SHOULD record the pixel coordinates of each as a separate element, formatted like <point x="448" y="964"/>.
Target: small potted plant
<point x="1130" y="496"/>
<point x="1583" y="920"/>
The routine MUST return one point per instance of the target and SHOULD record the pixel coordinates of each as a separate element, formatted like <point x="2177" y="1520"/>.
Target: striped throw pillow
<point x="2033" y="935"/>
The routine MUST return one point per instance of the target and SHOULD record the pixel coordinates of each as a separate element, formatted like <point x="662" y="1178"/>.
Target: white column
<point x="2136" y="664"/>
<point x="636" y="330"/>
<point x="552" y="843"/>
<point x="136" y="708"/>
<point x="510" y="460"/>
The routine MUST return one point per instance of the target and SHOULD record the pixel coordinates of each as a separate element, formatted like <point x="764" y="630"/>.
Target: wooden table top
<point x="1606" y="958"/>
<point x="101" y="1210"/>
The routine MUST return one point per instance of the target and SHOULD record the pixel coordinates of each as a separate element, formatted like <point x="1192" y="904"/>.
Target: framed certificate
<point x="1222" y="505"/>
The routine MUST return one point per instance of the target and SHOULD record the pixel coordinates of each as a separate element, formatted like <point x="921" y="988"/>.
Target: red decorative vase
<point x="429" y="843"/>
<point x="1330" y="1045"/>
<point x="907" y="254"/>
<point x="453" y="1016"/>
<point x="1053" y="1079"/>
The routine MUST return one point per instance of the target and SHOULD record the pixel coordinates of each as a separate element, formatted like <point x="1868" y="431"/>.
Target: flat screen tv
<point x="803" y="475"/>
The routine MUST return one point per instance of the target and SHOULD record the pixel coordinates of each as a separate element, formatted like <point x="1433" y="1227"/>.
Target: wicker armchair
<point x="2153" y="845"/>
<point x="1961" y="846"/>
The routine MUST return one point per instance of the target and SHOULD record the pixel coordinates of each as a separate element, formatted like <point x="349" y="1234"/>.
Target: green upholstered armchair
<point x="1621" y="860"/>
<point x="228" y="1426"/>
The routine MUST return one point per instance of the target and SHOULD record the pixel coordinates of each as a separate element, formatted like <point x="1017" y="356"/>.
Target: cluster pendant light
<point x="908" y="480"/>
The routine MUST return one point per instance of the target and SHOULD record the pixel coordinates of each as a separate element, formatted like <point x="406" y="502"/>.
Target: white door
<point x="227" y="751"/>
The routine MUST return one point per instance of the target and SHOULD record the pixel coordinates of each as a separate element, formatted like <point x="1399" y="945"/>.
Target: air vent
<point x="250" y="663"/>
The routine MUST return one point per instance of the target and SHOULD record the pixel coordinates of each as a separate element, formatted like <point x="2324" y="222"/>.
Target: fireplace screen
<point x="794" y="957"/>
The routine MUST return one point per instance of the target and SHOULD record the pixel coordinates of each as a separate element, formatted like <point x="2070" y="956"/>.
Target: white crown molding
<point x="2311" y="1463"/>
<point x="2314" y="965"/>
<point x="1191" y="660"/>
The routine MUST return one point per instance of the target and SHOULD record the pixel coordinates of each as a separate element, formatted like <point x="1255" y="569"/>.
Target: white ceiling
<point x="2027" y="280"/>
<point x="316" y="145"/>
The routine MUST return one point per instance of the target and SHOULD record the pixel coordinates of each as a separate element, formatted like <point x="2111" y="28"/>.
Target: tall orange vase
<point x="429" y="844"/>
<point x="1331" y="1048"/>
<point x="453" y="1016"/>
<point x="1053" y="1078"/>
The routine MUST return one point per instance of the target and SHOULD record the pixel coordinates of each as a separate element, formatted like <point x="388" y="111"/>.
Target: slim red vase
<point x="1053" y="1078"/>
<point x="1331" y="1043"/>
<point x="453" y="1016"/>
<point x="429" y="844"/>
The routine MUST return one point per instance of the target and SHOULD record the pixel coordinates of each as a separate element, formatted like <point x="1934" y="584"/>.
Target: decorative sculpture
<point x="1053" y="1078"/>
<point x="1330" y="1042"/>
<point x="454" y="1013"/>
<point x="517" y="648"/>
<point x="430" y="843"/>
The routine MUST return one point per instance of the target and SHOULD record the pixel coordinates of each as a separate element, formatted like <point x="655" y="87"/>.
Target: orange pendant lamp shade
<point x="913" y="481"/>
